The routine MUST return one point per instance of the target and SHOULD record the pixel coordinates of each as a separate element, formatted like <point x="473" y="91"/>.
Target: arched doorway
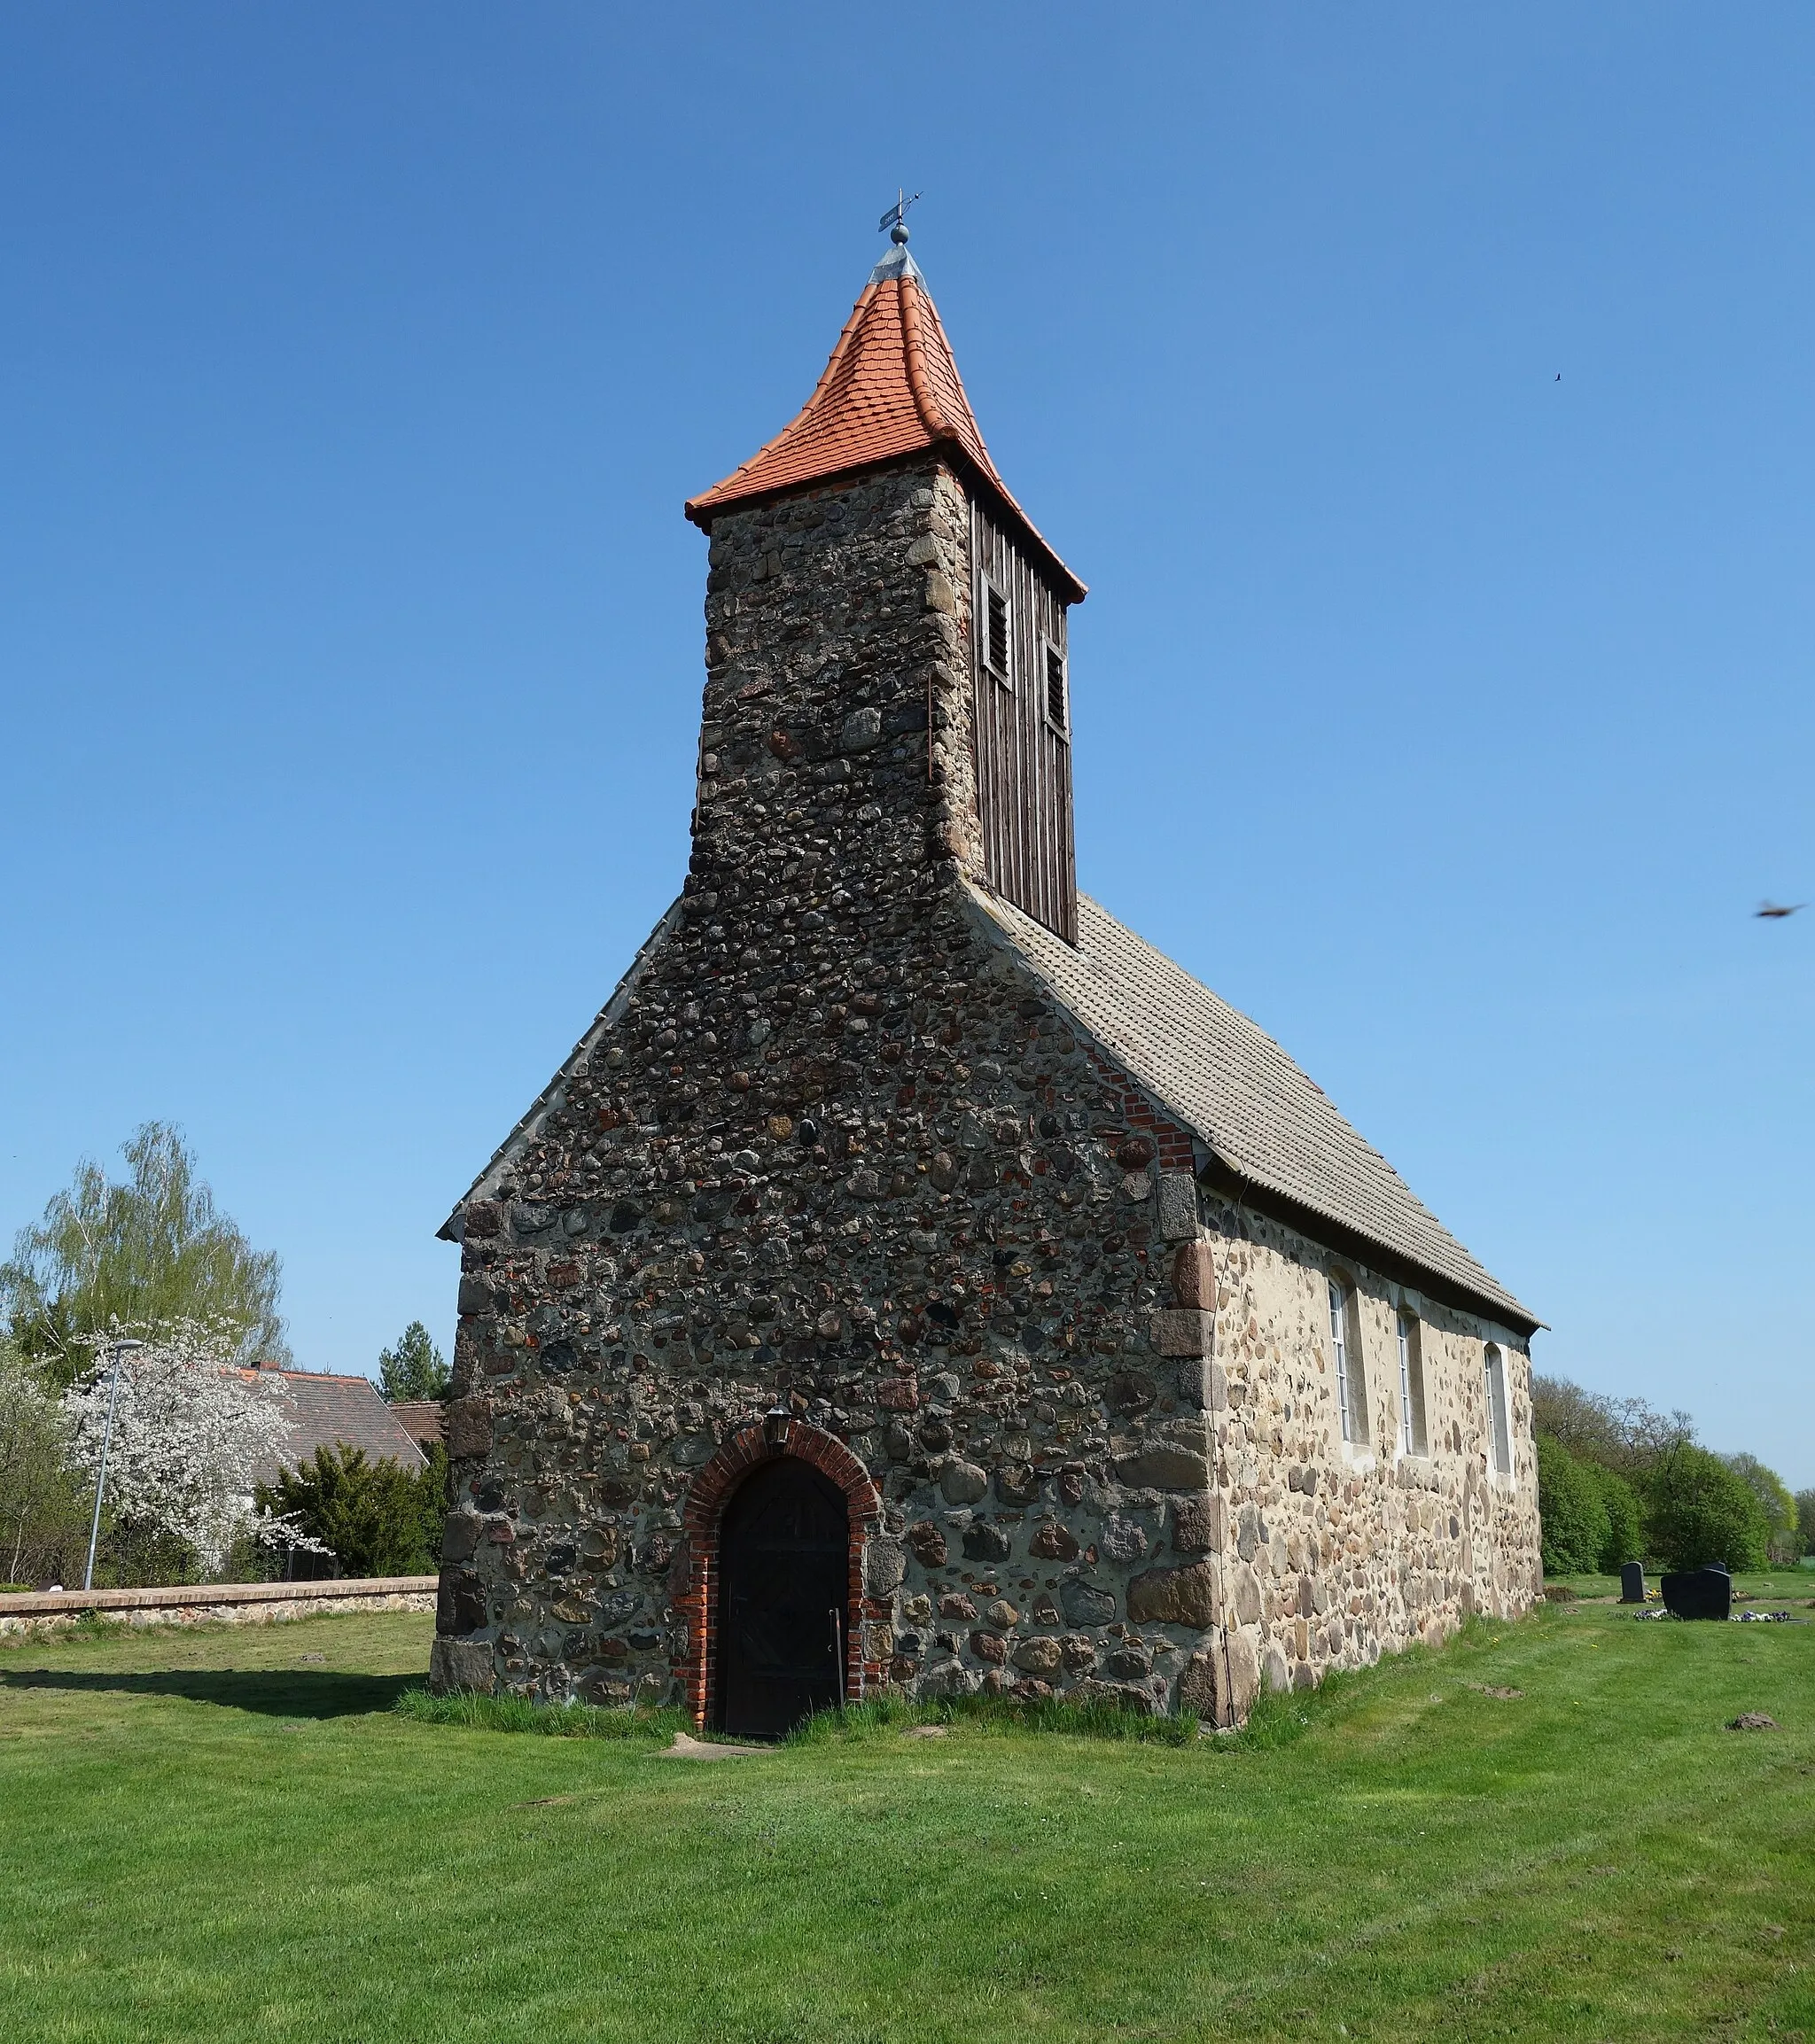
<point x="783" y="1599"/>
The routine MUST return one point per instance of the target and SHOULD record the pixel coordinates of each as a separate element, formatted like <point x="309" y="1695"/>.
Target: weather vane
<point x="895" y="220"/>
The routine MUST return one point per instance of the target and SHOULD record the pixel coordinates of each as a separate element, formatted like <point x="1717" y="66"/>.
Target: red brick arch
<point x="762" y="1441"/>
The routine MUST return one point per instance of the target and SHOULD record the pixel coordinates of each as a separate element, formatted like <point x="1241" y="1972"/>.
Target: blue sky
<point x="1449" y="718"/>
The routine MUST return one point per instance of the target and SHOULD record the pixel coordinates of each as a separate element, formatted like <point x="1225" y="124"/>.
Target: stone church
<point x="912" y="1279"/>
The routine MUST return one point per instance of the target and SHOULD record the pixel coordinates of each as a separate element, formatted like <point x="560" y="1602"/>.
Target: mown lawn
<point x="219" y="1835"/>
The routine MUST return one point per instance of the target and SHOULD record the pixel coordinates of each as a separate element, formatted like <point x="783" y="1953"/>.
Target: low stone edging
<point x="218" y="1602"/>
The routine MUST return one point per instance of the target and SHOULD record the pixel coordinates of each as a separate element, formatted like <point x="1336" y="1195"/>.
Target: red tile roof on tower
<point x="891" y="388"/>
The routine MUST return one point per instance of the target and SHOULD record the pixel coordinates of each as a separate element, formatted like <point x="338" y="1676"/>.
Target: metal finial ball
<point x="898" y="233"/>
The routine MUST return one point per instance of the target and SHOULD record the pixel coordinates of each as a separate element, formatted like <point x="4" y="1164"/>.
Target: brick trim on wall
<point x="1174" y="1144"/>
<point x="710" y="1491"/>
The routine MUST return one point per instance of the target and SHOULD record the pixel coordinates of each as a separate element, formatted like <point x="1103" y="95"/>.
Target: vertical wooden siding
<point x="1023" y="766"/>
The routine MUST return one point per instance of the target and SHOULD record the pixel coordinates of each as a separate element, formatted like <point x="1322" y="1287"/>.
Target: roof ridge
<point x="915" y="348"/>
<point x="914" y="353"/>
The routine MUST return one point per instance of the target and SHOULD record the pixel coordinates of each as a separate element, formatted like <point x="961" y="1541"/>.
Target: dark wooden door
<point x="783" y="1545"/>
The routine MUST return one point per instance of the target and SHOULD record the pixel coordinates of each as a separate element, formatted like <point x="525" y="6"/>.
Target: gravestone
<point x="1633" y="1582"/>
<point x="1698" y="1592"/>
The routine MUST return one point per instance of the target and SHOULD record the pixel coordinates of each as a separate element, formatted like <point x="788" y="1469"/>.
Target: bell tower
<point x="880" y="609"/>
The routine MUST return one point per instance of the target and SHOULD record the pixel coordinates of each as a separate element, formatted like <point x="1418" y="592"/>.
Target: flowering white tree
<point x="190" y="1433"/>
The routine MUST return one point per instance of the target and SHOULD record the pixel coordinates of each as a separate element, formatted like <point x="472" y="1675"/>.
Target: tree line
<point x="1618" y="1481"/>
<point x="197" y="1486"/>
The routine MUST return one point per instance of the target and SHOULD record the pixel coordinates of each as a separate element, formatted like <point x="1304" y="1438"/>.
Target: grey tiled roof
<point x="325" y="1410"/>
<point x="1233" y="1085"/>
<point x="422" y="1418"/>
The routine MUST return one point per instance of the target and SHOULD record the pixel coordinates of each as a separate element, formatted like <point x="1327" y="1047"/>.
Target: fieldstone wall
<point x="215" y="1603"/>
<point x="1335" y="1552"/>
<point x="835" y="1150"/>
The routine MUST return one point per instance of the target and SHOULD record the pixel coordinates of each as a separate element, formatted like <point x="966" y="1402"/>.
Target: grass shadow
<point x="268" y="1693"/>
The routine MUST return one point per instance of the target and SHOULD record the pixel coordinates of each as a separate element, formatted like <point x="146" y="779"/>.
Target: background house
<point x="421" y="1418"/>
<point x="325" y="1410"/>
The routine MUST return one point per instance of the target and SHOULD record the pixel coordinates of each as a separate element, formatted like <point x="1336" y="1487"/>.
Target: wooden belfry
<point x="1023" y="739"/>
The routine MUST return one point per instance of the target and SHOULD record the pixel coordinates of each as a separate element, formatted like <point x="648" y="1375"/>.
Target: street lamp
<point x="122" y="1344"/>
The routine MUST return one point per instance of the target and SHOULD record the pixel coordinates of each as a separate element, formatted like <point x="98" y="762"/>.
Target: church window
<point x="1055" y="704"/>
<point x="1345" y="1353"/>
<point x="1499" y="1434"/>
<point x="995" y="632"/>
<point x="1412" y="1435"/>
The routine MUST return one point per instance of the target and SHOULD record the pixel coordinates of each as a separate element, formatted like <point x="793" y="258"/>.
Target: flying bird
<point x="1775" y="912"/>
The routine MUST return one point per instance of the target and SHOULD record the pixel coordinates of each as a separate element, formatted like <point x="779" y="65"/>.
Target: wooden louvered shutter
<point x="997" y="629"/>
<point x="1055" y="688"/>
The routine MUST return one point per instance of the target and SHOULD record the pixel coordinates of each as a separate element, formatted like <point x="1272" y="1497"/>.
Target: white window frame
<point x="1500" y="1433"/>
<point x="1351" y="1375"/>
<point x="986" y="589"/>
<point x="1051" y="651"/>
<point x="1413" y="1425"/>
<point x="1339" y="1353"/>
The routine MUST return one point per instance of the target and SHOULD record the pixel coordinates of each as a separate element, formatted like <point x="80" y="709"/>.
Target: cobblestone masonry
<point x="835" y="1149"/>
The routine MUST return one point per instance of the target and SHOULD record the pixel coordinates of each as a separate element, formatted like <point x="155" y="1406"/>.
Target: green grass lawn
<point x="229" y="1833"/>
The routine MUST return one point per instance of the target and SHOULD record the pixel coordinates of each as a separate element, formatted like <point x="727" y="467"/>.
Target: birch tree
<point x="146" y="1252"/>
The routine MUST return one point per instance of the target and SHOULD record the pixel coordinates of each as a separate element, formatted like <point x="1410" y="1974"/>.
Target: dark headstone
<point x="1633" y="1582"/>
<point x="1698" y="1592"/>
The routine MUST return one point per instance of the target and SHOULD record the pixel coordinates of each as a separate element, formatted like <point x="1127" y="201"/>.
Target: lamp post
<point x="122" y="1344"/>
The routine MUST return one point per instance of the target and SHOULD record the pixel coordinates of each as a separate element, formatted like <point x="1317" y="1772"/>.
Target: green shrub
<point x="1625" y="1520"/>
<point x="1574" y="1532"/>
<point x="133" y="1552"/>
<point x="375" y="1517"/>
<point x="1697" y="1511"/>
<point x="43" y="1510"/>
<point x="1782" y="1536"/>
